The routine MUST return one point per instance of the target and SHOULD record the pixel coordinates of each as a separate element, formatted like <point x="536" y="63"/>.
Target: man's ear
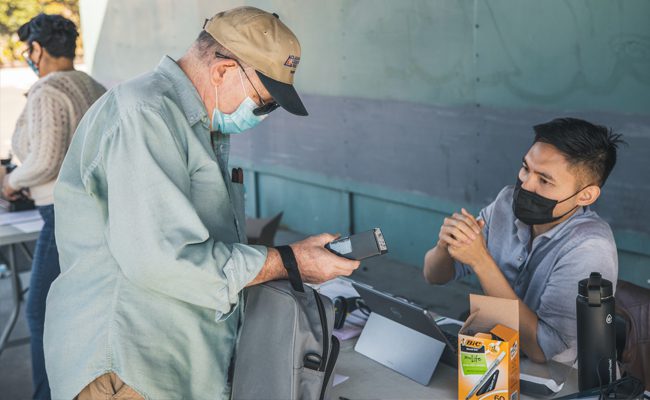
<point x="588" y="195"/>
<point x="218" y="70"/>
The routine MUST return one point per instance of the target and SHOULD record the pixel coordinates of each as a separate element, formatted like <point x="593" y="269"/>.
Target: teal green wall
<point x="562" y="55"/>
<point x="505" y="53"/>
<point x="418" y="107"/>
<point x="314" y="203"/>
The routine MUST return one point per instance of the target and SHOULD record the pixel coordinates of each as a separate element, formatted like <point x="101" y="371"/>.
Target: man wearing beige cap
<point x="150" y="224"/>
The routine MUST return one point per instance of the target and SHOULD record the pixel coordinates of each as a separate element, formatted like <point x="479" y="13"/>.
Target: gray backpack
<point x="286" y="350"/>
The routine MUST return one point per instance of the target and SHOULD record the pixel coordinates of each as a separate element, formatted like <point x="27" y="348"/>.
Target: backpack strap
<point x="291" y="265"/>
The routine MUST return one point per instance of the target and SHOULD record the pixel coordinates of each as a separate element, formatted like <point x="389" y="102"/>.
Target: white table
<point x="371" y="380"/>
<point x="13" y="238"/>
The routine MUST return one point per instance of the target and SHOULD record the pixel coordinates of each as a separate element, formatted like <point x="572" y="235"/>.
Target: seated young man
<point x="539" y="237"/>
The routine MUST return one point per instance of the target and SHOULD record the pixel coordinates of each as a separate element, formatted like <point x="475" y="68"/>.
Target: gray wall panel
<point x="462" y="154"/>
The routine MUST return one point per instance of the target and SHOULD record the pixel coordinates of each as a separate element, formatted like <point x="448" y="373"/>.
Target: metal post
<point x="17" y="295"/>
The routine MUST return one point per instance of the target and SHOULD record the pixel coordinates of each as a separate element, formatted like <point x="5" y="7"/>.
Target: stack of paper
<point x="30" y="226"/>
<point x="12" y="218"/>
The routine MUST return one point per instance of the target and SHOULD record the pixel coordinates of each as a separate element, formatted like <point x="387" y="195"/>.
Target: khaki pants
<point x="108" y="387"/>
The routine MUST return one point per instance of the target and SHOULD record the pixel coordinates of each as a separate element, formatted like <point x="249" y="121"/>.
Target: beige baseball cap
<point x="261" y="40"/>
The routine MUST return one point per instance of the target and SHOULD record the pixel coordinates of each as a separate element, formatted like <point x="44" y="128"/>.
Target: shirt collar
<point x="189" y="99"/>
<point x="524" y="230"/>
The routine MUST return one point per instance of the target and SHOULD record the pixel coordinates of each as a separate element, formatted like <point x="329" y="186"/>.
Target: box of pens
<point x="488" y="350"/>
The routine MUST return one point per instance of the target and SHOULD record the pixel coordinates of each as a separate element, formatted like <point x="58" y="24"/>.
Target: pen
<point x="487" y="375"/>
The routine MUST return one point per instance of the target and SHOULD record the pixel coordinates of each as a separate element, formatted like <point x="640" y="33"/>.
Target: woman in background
<point x="55" y="104"/>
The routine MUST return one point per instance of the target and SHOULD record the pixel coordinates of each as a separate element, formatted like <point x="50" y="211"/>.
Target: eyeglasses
<point x="265" y="108"/>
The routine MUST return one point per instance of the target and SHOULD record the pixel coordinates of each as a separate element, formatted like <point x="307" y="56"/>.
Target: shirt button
<point x="520" y="258"/>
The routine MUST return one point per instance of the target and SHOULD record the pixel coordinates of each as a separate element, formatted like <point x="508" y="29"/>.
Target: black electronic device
<point x="22" y="201"/>
<point x="360" y="245"/>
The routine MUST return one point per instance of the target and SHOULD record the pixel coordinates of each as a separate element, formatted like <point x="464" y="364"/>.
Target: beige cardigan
<point x="55" y="104"/>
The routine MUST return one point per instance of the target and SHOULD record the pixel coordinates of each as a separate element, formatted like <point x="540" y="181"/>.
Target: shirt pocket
<point x="211" y="198"/>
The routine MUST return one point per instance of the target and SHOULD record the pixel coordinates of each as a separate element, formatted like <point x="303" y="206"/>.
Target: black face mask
<point x="533" y="209"/>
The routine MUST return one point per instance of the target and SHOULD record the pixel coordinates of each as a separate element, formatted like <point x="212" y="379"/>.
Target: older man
<point x="150" y="222"/>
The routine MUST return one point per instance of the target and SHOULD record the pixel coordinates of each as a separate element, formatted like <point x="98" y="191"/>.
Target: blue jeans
<point x="45" y="268"/>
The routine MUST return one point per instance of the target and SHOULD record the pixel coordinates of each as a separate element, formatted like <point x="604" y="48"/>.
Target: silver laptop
<point x="406" y="338"/>
<point x="400" y="335"/>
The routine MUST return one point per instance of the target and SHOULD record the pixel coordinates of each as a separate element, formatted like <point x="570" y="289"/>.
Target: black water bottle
<point x="596" y="332"/>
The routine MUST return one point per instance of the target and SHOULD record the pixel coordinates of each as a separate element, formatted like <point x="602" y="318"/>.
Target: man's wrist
<point x="290" y="263"/>
<point x="273" y="258"/>
<point x="483" y="264"/>
<point x="271" y="270"/>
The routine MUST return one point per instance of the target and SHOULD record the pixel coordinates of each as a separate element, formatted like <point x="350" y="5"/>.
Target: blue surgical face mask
<point x="33" y="65"/>
<point x="241" y="119"/>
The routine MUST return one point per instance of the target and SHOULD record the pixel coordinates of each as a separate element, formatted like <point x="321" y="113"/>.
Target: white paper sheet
<point x="338" y="379"/>
<point x="357" y="318"/>
<point x="11" y="218"/>
<point x="31" y="226"/>
<point x="338" y="287"/>
<point x="348" y="332"/>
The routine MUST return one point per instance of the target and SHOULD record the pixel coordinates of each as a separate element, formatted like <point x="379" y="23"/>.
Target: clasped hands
<point x="461" y="235"/>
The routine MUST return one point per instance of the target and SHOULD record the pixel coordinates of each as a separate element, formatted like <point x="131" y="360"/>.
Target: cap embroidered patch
<point x="292" y="62"/>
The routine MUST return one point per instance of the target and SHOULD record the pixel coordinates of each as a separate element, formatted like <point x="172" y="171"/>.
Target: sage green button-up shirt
<point x="150" y="231"/>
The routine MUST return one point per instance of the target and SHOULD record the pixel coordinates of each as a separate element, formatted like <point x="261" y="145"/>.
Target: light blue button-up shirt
<point x="150" y="231"/>
<point x="544" y="272"/>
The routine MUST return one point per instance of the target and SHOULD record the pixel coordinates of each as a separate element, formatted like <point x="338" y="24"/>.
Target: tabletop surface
<point x="370" y="380"/>
<point x="9" y="234"/>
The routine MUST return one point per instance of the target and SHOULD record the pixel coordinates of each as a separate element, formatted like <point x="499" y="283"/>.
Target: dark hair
<point x="56" y="34"/>
<point x="206" y="44"/>
<point x="591" y="147"/>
